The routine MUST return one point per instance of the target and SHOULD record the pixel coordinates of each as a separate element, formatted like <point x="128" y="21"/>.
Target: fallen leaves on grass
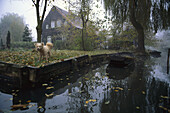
<point x="27" y="57"/>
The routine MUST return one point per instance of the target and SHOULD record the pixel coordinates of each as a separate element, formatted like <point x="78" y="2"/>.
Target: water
<point x="144" y="88"/>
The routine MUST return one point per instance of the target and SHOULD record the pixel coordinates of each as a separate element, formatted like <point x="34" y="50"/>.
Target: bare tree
<point x="39" y="17"/>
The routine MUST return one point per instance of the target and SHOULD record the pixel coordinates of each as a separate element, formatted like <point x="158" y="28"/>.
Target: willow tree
<point x="143" y="14"/>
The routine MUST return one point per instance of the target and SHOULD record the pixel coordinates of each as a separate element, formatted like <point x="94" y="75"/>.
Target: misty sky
<point x="25" y="9"/>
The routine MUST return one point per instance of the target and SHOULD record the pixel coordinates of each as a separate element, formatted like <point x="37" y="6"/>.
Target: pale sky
<point x="25" y="9"/>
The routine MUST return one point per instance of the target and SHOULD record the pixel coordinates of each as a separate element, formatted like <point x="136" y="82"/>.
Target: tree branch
<point x="45" y="6"/>
<point x="33" y="2"/>
<point x="37" y="11"/>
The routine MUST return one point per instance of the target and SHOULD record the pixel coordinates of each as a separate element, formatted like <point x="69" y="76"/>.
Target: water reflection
<point x="92" y="90"/>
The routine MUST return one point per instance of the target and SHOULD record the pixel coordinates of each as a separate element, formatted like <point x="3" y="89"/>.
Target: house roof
<point x="75" y="21"/>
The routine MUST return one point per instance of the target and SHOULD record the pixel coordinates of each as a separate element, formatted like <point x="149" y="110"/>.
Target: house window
<point x="52" y="24"/>
<point x="59" y="23"/>
<point x="47" y="26"/>
<point x="48" y="38"/>
<point x="65" y="23"/>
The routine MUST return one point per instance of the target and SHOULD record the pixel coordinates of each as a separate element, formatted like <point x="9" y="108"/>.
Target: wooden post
<point x="168" y="61"/>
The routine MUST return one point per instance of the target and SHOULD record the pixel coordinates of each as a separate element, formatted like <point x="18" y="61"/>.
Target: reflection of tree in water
<point x="137" y="92"/>
<point x="141" y="92"/>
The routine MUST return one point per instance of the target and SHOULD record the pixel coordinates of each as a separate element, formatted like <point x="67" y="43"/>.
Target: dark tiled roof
<point x="76" y="21"/>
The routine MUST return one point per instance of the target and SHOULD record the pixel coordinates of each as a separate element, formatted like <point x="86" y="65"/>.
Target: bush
<point x="59" y="44"/>
<point x="25" y="45"/>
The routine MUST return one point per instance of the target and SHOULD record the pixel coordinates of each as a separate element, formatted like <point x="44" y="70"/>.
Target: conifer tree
<point x="27" y="34"/>
<point x="8" y="40"/>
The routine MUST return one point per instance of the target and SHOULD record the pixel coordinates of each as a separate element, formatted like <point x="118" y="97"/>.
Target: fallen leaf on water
<point x="143" y="92"/>
<point x="163" y="108"/>
<point x="92" y="100"/>
<point x="137" y="107"/>
<point x="67" y="78"/>
<point x="166" y="97"/>
<point x="50" y="87"/>
<point x="20" y="106"/>
<point x="169" y="110"/>
<point x="40" y="107"/>
<point x="29" y="101"/>
<point x="119" y="88"/>
<point x="107" y="102"/>
<point x="86" y="78"/>
<point x="44" y="84"/>
<point x="11" y="99"/>
<point x="49" y="95"/>
<point x="116" y="90"/>
<point x="85" y="105"/>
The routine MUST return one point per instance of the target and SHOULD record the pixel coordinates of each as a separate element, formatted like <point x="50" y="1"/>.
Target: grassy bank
<point x="30" y="58"/>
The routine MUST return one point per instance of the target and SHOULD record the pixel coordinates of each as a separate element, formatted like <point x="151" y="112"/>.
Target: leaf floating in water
<point x="69" y="94"/>
<point x="169" y="110"/>
<point x="120" y="88"/>
<point x="11" y="99"/>
<point x="29" y="101"/>
<point x="50" y="87"/>
<point x="49" y="95"/>
<point x="86" y="78"/>
<point x="166" y="97"/>
<point x="164" y="108"/>
<point x="40" y="107"/>
<point x="107" y="102"/>
<point x="116" y="90"/>
<point x="19" y="106"/>
<point x="92" y="100"/>
<point x="44" y="84"/>
<point x="143" y="92"/>
<point x="137" y="107"/>
<point x="85" y="105"/>
<point x="67" y="78"/>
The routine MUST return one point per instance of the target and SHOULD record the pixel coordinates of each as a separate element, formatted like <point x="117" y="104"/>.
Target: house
<point x="57" y="19"/>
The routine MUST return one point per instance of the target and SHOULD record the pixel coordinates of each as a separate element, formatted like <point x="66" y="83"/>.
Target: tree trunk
<point x="39" y="32"/>
<point x="39" y="18"/>
<point x="83" y="39"/>
<point x="138" y="27"/>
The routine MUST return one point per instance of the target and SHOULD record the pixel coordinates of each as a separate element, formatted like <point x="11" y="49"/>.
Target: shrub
<point x="25" y="45"/>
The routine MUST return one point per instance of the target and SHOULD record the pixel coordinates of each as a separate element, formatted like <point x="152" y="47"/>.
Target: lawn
<point x="27" y="57"/>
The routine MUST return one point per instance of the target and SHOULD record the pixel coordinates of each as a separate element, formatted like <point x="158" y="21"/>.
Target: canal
<point x="141" y="88"/>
